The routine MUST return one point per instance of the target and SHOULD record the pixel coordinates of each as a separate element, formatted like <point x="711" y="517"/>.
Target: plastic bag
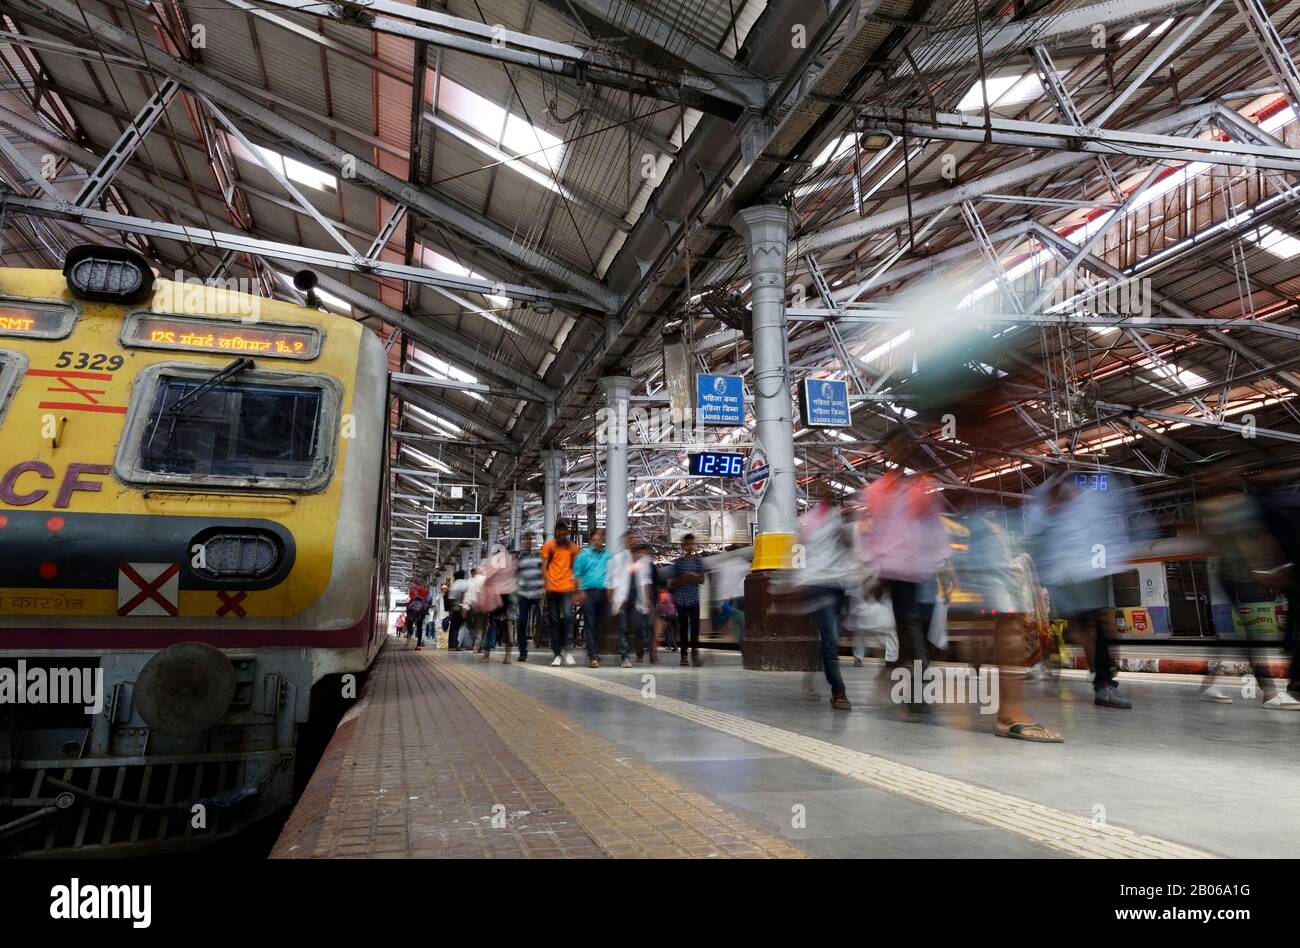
<point x="938" y="631"/>
<point x="874" y="617"/>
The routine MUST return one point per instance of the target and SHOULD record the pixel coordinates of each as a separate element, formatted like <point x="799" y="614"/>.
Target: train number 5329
<point x="88" y="360"/>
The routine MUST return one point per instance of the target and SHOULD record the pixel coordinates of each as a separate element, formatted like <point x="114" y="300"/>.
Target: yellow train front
<point x="191" y="526"/>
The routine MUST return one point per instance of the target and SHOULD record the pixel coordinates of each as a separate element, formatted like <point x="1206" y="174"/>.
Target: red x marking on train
<point x="231" y="603"/>
<point x="70" y="387"/>
<point x="150" y="589"/>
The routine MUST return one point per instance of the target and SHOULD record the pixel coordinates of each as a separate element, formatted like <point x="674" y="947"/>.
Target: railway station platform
<point x="445" y="756"/>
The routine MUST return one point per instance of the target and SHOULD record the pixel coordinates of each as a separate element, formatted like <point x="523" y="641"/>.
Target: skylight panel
<point x="836" y="148"/>
<point x="1002" y="91"/>
<point x="334" y="302"/>
<point x="439" y="262"/>
<point x="1279" y="243"/>
<point x="295" y="170"/>
<point x="535" y="145"/>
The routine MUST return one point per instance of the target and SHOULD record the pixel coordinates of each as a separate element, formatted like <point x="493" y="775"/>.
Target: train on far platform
<point x="192" y="547"/>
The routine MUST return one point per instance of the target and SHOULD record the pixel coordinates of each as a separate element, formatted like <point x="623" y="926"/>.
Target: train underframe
<point x="85" y="782"/>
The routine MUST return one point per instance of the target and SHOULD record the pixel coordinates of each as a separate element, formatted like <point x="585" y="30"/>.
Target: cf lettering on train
<point x="18" y="490"/>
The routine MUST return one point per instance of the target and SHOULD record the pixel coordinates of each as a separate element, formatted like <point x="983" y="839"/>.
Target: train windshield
<point x="232" y="430"/>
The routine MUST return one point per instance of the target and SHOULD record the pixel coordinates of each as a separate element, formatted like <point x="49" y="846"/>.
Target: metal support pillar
<point x="552" y="468"/>
<point x="766" y="230"/>
<point x="493" y="534"/>
<point x="516" y="519"/>
<point x="618" y="389"/>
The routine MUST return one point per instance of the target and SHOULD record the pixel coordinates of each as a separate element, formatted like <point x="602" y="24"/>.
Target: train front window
<point x="232" y="430"/>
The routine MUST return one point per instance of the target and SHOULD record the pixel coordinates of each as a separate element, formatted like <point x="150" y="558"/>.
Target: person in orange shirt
<point x="558" y="554"/>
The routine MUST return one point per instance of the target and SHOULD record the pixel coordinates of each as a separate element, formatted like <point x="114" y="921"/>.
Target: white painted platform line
<point x="1066" y="832"/>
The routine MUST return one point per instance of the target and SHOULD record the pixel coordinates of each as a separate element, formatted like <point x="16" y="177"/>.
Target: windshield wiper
<point x="187" y="401"/>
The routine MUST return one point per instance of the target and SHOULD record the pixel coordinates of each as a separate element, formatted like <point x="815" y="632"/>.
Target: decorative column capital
<point x="762" y="223"/>
<point x="617" y="387"/>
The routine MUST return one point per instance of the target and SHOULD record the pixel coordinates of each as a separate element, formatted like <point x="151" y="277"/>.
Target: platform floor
<point x="447" y="756"/>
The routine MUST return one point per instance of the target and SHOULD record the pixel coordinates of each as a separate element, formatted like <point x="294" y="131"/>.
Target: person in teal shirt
<point x="589" y="571"/>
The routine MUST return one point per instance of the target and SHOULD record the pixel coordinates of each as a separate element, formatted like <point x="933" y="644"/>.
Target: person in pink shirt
<point x="906" y="544"/>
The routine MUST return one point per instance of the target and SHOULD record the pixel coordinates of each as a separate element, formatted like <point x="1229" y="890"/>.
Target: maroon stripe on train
<point x="237" y="635"/>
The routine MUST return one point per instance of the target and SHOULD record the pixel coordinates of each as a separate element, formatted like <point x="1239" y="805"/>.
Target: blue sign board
<point x="719" y="400"/>
<point x="825" y="403"/>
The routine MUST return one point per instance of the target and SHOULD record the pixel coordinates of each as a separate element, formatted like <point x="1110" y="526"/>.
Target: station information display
<point x="716" y="464"/>
<point x="211" y="335"/>
<point x="40" y="321"/>
<point x="454" y="526"/>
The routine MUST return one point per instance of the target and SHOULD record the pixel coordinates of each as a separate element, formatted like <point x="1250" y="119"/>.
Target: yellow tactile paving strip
<point x="629" y="808"/>
<point x="1065" y="832"/>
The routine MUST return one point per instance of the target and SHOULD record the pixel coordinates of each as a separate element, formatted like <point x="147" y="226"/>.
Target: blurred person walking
<point x="631" y="582"/>
<point x="558" y="555"/>
<point x="421" y="599"/>
<point x="906" y="544"/>
<point x="684" y="581"/>
<point x="828" y="574"/>
<point x="1078" y="538"/>
<point x="1004" y="583"/>
<point x="499" y="581"/>
<point x="1255" y="540"/>
<point x="474" y="617"/>
<point x="530" y="587"/>
<point x="590" y="571"/>
<point x="456" y="610"/>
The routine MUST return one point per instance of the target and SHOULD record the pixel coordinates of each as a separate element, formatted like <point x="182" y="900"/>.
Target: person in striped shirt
<point x="528" y="590"/>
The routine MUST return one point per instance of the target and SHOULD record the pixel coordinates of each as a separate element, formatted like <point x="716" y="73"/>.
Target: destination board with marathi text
<point x="209" y="335"/>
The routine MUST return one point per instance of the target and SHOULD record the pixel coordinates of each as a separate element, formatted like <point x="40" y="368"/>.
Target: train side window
<point x="13" y="365"/>
<point x="261" y="429"/>
<point x="1128" y="589"/>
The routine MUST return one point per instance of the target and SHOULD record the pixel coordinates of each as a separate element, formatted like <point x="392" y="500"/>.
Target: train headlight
<point x="236" y="555"/>
<point x="108" y="274"/>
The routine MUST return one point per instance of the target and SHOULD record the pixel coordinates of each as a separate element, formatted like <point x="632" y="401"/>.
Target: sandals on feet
<point x="1030" y="731"/>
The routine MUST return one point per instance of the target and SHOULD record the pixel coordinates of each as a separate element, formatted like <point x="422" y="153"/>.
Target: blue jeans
<point x="827" y="618"/>
<point x="526" y="609"/>
<point x="640" y="623"/>
<point x="595" y="610"/>
<point x="559" y="615"/>
<point x="495" y="628"/>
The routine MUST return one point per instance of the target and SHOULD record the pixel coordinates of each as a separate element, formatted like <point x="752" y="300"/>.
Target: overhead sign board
<point x="719" y="400"/>
<point x="824" y="403"/>
<point x="454" y="526"/>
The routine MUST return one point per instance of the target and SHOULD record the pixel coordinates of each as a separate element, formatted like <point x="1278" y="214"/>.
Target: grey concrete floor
<point x="1221" y="778"/>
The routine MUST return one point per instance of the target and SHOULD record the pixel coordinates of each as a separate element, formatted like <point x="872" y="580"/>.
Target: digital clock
<point x="1091" y="481"/>
<point x="716" y="464"/>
